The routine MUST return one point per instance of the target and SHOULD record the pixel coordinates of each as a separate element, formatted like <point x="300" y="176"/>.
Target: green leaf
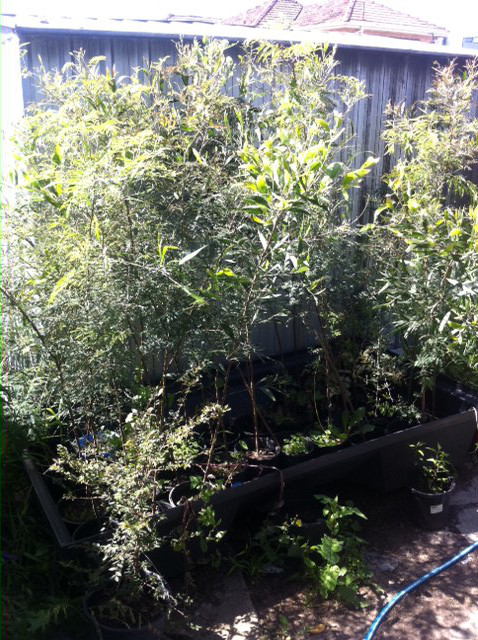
<point x="95" y="223"/>
<point x="259" y="201"/>
<point x="61" y="285"/>
<point x="263" y="240"/>
<point x="330" y="549"/>
<point x="348" y="179"/>
<point x="329" y="577"/>
<point x="386" y="286"/>
<point x="370" y="162"/>
<point x="333" y="170"/>
<point x="56" y="158"/>
<point x="198" y="157"/>
<point x="259" y="220"/>
<point x="191" y="255"/>
<point x="163" y="251"/>
<point x="225" y="272"/>
<point x="444" y="321"/>
<point x="261" y="184"/>
<point x="197" y="298"/>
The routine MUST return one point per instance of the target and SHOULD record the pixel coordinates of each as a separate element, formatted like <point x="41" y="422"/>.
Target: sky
<point x="460" y="16"/>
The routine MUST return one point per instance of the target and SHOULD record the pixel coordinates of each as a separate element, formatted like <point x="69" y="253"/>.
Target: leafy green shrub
<point x="435" y="471"/>
<point x="125" y="478"/>
<point x="158" y="221"/>
<point x="334" y="566"/>
<point x="429" y="224"/>
<point x="119" y="184"/>
<point x="299" y="175"/>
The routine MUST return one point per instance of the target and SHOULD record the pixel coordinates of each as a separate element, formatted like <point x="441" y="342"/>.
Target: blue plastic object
<point x="378" y="620"/>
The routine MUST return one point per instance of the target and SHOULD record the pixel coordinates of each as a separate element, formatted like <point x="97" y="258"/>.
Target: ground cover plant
<point x="331" y="564"/>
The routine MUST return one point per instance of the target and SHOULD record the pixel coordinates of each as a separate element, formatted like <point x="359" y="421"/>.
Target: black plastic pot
<point x="93" y="530"/>
<point x="290" y="460"/>
<point x="166" y="477"/>
<point x="78" y="509"/>
<point x="431" y="510"/>
<point x="181" y="493"/>
<point x="220" y="455"/>
<point x="162" y="506"/>
<point x="151" y="631"/>
<point x="249" y="473"/>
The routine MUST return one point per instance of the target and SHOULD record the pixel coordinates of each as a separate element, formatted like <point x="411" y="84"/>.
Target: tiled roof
<point x="328" y="11"/>
<point x="363" y="12"/>
<point x="352" y="13"/>
<point x="268" y="14"/>
<point x="282" y="11"/>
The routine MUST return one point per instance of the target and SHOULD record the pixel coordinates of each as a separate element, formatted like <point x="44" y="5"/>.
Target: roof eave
<point x="379" y="27"/>
<point x="233" y="34"/>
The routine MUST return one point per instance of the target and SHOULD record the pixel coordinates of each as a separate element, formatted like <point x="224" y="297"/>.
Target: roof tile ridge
<point x="349" y="10"/>
<point x="265" y="11"/>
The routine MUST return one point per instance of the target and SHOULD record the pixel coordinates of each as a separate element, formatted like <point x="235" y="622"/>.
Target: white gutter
<point x="378" y="26"/>
<point x="233" y="33"/>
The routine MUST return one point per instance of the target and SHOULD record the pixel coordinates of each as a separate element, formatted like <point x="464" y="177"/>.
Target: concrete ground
<point x="444" y="608"/>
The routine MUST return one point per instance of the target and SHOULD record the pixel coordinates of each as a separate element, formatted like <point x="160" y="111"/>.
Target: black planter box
<point x="385" y="462"/>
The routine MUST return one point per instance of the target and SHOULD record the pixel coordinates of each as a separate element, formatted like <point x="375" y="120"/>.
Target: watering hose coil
<point x="378" y="620"/>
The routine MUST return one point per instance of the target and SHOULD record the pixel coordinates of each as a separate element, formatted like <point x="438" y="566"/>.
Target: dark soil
<point x="262" y="455"/>
<point x="77" y="510"/>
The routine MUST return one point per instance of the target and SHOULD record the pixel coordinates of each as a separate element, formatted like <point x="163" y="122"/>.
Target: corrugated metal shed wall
<point x="388" y="76"/>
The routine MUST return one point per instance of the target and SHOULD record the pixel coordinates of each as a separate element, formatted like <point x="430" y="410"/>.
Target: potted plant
<point x="296" y="447"/>
<point x="432" y="486"/>
<point x="136" y="609"/>
<point x="130" y="592"/>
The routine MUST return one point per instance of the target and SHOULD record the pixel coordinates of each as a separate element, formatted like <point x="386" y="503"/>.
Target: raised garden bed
<point x="385" y="462"/>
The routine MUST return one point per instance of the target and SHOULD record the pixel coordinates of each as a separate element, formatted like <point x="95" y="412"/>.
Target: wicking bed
<point x="385" y="462"/>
